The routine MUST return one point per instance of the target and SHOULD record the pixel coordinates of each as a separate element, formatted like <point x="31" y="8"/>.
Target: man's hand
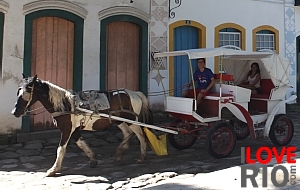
<point x="188" y="85"/>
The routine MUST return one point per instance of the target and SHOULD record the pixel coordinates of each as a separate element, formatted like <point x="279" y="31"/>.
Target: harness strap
<point x="56" y="114"/>
<point x="121" y="106"/>
<point x="118" y="111"/>
<point x="111" y="112"/>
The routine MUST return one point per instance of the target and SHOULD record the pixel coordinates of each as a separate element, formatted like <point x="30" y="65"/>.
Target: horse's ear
<point x="34" y="78"/>
<point x="24" y="76"/>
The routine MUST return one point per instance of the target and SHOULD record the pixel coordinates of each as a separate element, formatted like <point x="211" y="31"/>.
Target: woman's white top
<point x="251" y="80"/>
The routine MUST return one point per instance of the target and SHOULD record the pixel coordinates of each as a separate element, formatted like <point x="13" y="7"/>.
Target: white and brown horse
<point x="61" y="104"/>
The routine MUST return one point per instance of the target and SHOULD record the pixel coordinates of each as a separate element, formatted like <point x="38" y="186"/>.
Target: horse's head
<point x="26" y="96"/>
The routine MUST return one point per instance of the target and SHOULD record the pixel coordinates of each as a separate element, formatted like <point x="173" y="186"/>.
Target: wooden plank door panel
<point x="122" y="56"/>
<point x="52" y="60"/>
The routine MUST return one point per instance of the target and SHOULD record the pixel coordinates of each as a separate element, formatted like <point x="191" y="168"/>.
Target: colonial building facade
<point x="100" y="44"/>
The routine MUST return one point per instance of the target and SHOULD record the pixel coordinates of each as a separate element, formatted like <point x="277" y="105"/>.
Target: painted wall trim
<point x="202" y="44"/>
<point x="265" y="27"/>
<point x="54" y="4"/>
<point x="3" y="6"/>
<point x="124" y="10"/>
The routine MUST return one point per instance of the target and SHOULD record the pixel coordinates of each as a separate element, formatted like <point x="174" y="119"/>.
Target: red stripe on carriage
<point x="248" y="119"/>
<point x="184" y="117"/>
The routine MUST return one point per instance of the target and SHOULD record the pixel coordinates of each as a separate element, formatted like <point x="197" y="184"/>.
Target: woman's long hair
<point x="257" y="71"/>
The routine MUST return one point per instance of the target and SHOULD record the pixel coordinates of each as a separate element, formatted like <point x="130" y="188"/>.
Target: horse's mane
<point x="57" y="95"/>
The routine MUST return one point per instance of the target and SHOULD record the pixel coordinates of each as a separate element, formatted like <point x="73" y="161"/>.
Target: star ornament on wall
<point x="158" y="78"/>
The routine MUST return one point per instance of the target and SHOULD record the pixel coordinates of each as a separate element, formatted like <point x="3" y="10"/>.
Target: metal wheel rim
<point x="282" y="128"/>
<point x="216" y="139"/>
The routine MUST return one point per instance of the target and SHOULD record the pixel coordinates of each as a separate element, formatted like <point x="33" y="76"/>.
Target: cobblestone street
<point x="23" y="165"/>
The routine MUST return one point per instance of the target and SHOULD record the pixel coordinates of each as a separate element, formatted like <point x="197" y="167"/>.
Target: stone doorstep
<point x="8" y="139"/>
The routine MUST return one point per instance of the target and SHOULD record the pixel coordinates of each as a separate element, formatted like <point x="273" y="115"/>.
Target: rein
<point x="158" y="93"/>
<point x="37" y="109"/>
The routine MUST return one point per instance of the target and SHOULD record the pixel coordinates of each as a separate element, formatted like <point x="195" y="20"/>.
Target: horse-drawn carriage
<point x="231" y="112"/>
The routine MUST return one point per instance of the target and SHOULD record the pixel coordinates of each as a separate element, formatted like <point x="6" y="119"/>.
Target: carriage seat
<point x="266" y="86"/>
<point x="226" y="78"/>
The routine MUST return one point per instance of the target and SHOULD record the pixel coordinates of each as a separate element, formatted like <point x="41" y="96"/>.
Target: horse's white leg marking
<point x="61" y="151"/>
<point x="88" y="122"/>
<point x="124" y="145"/>
<point x="141" y="136"/>
<point x="83" y="146"/>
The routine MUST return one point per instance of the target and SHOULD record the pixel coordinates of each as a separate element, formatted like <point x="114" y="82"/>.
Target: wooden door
<point x="185" y="37"/>
<point x="52" y="60"/>
<point x="122" y="56"/>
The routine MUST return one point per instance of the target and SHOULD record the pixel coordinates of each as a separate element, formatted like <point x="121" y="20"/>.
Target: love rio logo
<point x="264" y="155"/>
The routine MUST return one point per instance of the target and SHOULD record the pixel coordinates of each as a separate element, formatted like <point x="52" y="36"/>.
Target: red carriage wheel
<point x="220" y="140"/>
<point x="185" y="140"/>
<point x="241" y="129"/>
<point x="282" y="130"/>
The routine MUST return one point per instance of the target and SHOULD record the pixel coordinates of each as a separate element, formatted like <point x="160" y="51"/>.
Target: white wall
<point x="210" y="13"/>
<point x="246" y="13"/>
<point x="13" y="48"/>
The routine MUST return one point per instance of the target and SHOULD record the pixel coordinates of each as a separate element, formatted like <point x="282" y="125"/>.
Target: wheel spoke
<point x="221" y="140"/>
<point x="282" y="130"/>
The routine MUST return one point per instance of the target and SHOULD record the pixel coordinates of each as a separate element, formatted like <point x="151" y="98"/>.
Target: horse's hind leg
<point x="124" y="145"/>
<point x="141" y="136"/>
<point x="83" y="146"/>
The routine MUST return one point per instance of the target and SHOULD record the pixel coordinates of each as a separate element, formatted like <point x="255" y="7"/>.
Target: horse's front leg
<point x="83" y="146"/>
<point x="61" y="150"/>
<point x="141" y="136"/>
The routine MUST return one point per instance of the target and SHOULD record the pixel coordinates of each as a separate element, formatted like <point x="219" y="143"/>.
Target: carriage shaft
<point x="130" y="121"/>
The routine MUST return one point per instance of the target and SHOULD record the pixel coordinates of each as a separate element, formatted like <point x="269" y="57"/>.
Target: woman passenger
<point x="252" y="79"/>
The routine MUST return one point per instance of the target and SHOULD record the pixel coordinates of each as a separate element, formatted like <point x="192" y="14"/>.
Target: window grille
<point x="265" y="41"/>
<point x="231" y="40"/>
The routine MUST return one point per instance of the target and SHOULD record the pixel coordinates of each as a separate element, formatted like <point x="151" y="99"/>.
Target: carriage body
<point x="231" y="109"/>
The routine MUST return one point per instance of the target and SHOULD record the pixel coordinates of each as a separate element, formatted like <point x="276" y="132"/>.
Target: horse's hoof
<point x="118" y="159"/>
<point x="50" y="173"/>
<point x="139" y="161"/>
<point x="93" y="163"/>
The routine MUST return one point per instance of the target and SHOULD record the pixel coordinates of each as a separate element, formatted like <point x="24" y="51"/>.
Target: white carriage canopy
<point x="238" y="62"/>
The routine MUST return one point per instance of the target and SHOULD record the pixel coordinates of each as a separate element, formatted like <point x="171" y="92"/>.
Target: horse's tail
<point x="146" y="114"/>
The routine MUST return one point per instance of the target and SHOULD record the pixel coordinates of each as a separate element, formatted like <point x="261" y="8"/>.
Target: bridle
<point x="26" y="96"/>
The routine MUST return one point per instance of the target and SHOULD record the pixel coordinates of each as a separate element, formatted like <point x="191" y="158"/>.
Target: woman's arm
<point x="257" y="79"/>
